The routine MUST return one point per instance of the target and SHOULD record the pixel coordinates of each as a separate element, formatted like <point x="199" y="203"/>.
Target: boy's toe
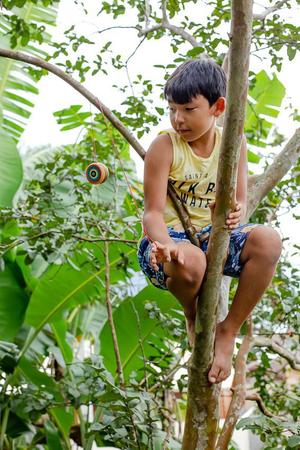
<point x="223" y="375"/>
<point x="213" y="375"/>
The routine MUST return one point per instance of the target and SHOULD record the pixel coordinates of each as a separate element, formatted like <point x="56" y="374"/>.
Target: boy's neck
<point x="204" y="145"/>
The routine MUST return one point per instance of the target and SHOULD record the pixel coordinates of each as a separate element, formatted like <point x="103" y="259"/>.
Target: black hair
<point x="197" y="76"/>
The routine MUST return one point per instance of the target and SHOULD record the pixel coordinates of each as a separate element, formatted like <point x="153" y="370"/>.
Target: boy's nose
<point x="178" y="117"/>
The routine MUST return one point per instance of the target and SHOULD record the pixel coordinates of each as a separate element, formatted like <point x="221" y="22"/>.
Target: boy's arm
<point x="157" y="165"/>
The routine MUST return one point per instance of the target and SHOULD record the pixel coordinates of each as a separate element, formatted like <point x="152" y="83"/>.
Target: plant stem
<point x="110" y="317"/>
<point x="4" y="426"/>
<point x="96" y="418"/>
<point x="82" y="426"/>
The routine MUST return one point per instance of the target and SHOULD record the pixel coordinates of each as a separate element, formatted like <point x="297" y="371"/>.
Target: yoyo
<point x="96" y="173"/>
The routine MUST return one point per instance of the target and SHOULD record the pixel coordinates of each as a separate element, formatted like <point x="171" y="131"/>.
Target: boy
<point x="188" y="155"/>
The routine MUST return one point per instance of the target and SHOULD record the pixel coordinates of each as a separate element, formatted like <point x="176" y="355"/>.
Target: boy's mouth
<point x="182" y="131"/>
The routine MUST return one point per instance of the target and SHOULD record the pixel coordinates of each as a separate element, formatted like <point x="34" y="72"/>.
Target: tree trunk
<point x="202" y="408"/>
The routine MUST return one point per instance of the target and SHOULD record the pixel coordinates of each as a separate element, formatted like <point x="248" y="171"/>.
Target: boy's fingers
<point x="180" y="257"/>
<point x="233" y="219"/>
<point x="166" y="254"/>
<point x="234" y="214"/>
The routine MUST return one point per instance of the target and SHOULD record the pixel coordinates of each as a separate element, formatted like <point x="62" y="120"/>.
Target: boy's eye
<point x="189" y="109"/>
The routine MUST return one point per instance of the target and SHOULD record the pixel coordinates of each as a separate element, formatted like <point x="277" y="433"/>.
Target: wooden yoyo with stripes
<point x="96" y="173"/>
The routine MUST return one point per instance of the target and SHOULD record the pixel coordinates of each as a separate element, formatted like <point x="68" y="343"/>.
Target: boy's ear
<point x="219" y="106"/>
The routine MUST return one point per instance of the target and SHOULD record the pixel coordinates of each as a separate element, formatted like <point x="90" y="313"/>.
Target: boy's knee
<point x="267" y="242"/>
<point x="194" y="267"/>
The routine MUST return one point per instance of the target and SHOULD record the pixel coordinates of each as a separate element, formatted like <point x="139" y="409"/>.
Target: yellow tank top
<point x="194" y="179"/>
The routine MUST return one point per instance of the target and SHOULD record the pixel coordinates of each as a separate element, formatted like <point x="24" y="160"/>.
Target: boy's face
<point x="191" y="120"/>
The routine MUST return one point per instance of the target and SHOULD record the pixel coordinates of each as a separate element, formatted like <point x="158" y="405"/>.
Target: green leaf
<point x="72" y="117"/>
<point x="64" y="419"/>
<point x="11" y="170"/>
<point x="8" y="356"/>
<point x="265" y="360"/>
<point x="62" y="288"/>
<point x="15" y="82"/>
<point x="35" y="376"/>
<point x="291" y="52"/>
<point x="195" y="51"/>
<point x="160" y="111"/>
<point x="52" y="436"/>
<point x="265" y="99"/>
<point x="16" y="426"/>
<point x="73" y="109"/>
<point x="60" y="329"/>
<point x="58" y="289"/>
<point x="252" y="157"/>
<point x="294" y="441"/>
<point x="127" y="329"/>
<point x="13" y="303"/>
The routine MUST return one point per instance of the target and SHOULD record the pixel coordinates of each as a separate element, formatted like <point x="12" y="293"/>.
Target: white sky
<point x="55" y="94"/>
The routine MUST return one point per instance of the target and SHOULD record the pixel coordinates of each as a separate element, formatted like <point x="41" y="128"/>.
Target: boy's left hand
<point x="234" y="217"/>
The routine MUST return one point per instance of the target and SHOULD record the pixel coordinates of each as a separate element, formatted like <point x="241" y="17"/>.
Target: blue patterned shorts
<point x="233" y="265"/>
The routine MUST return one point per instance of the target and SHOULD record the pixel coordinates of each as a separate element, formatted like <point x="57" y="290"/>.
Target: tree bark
<point x="239" y="390"/>
<point x="202" y="408"/>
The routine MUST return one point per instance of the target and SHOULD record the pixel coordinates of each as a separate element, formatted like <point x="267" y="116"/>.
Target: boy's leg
<point x="184" y="282"/>
<point x="259" y="258"/>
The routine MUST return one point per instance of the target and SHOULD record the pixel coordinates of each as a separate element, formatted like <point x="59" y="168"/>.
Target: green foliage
<point x="12" y="175"/>
<point x="265" y="98"/>
<point x="26" y="26"/>
<point x="145" y="340"/>
<point x="271" y="429"/>
<point x="12" y="298"/>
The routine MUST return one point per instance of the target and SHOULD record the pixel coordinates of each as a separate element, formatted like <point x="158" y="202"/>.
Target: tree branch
<point x="174" y="29"/>
<point x="267" y="11"/>
<point x="260" y="185"/>
<point x="201" y="417"/>
<point x="147" y="12"/>
<point x="292" y="358"/>
<point x="79" y="88"/>
<point x="260" y="403"/>
<point x="166" y="25"/>
<point x="239" y="391"/>
<point x="183" y="215"/>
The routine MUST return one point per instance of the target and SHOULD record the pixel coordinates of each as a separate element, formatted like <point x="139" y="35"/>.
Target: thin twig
<point x="116" y="26"/>
<point x="110" y="317"/>
<point x="150" y="434"/>
<point x="260" y="403"/>
<point x="6" y="247"/>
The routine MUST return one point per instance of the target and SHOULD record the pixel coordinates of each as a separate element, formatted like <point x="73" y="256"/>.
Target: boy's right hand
<point x="165" y="253"/>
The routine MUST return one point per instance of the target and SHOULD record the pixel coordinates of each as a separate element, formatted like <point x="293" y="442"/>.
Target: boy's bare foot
<point x="190" y="328"/>
<point x="222" y="362"/>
